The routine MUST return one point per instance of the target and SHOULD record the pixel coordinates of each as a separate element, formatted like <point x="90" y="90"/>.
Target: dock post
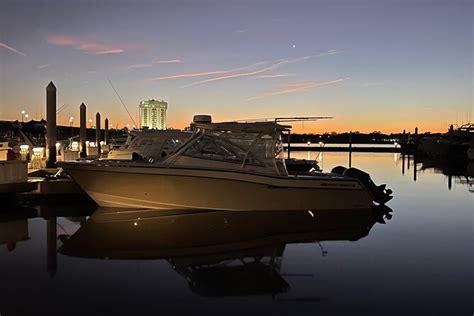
<point x="350" y="149"/>
<point x="289" y="144"/>
<point x="51" y="125"/>
<point x="415" y="139"/>
<point x="414" y="166"/>
<point x="415" y="149"/>
<point x="83" y="130"/>
<point x="97" y="131"/>
<point x="403" y="164"/>
<point x="106" y="131"/>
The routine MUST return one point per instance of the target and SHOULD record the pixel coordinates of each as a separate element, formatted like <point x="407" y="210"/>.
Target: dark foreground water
<point x="420" y="262"/>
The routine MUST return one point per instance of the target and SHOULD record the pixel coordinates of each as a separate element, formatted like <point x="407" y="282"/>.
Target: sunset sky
<point x="383" y="65"/>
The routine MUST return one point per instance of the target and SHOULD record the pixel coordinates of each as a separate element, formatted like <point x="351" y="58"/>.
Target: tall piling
<point x="289" y="144"/>
<point x="51" y="125"/>
<point x="97" y="131"/>
<point x="350" y="149"/>
<point x="106" y="131"/>
<point x="83" y="130"/>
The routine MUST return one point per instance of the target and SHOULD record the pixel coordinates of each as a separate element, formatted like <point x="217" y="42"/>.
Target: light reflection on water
<point x="420" y="262"/>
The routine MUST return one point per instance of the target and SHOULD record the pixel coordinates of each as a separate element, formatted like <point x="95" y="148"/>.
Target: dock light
<point x="321" y="144"/>
<point x="26" y="116"/>
<point x="24" y="151"/>
<point x="71" y="121"/>
<point x="309" y="143"/>
<point x="75" y="146"/>
<point x="38" y="152"/>
<point x="395" y="144"/>
<point x="24" y="148"/>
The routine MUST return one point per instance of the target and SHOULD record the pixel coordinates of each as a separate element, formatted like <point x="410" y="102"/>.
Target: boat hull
<point x="179" y="188"/>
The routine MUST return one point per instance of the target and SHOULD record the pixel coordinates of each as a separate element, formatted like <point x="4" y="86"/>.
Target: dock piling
<point x="106" y="131"/>
<point x="83" y="130"/>
<point x="51" y="125"/>
<point x="350" y="149"/>
<point x="97" y="131"/>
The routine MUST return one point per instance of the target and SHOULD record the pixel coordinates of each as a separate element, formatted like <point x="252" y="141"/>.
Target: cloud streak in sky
<point x="276" y="75"/>
<point x="138" y="66"/>
<point x="202" y="74"/>
<point x="12" y="49"/>
<point x="43" y="66"/>
<point x="296" y="88"/>
<point x="170" y="61"/>
<point x="238" y="72"/>
<point x="241" y="74"/>
<point x="87" y="46"/>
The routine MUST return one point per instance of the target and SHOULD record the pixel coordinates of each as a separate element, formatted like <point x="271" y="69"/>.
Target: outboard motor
<point x="381" y="194"/>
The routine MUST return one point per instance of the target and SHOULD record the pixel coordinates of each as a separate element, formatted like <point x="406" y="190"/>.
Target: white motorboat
<point x="224" y="166"/>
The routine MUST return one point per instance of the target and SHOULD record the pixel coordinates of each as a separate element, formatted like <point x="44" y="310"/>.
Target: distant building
<point x="153" y="114"/>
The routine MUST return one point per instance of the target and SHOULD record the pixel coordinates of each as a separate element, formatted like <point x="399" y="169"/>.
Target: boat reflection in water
<point x="219" y="253"/>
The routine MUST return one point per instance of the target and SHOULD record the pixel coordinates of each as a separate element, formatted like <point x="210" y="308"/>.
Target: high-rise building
<point x="153" y="113"/>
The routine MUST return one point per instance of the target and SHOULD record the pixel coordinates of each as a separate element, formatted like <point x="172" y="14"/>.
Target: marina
<point x="236" y="157"/>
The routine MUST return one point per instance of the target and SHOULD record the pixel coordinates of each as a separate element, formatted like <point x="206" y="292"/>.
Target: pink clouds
<point x="88" y="46"/>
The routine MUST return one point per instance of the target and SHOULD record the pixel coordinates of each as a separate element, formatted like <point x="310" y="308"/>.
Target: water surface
<point x="419" y="262"/>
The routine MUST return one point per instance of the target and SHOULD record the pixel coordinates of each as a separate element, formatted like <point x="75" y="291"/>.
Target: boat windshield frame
<point x="246" y="144"/>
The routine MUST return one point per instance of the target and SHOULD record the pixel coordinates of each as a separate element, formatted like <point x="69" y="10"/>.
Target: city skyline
<point x="373" y="65"/>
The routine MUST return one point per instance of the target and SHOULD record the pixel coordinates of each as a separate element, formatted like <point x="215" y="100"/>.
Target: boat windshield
<point x="258" y="150"/>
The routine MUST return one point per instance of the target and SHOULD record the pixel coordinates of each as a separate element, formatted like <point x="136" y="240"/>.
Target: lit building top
<point x="153" y="114"/>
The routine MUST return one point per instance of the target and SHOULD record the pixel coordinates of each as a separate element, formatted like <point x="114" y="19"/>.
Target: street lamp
<point x="26" y="116"/>
<point x="23" y="115"/>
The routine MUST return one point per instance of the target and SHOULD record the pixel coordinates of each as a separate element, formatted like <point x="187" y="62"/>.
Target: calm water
<point x="419" y="262"/>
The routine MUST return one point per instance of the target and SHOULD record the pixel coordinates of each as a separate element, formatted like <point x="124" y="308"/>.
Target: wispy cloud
<point x="88" y="46"/>
<point x="110" y="51"/>
<point x="91" y="72"/>
<point x="246" y="71"/>
<point x="12" y="49"/>
<point x="138" y="66"/>
<point x="169" y="61"/>
<point x="203" y="74"/>
<point x="241" y="74"/>
<point x="276" y="75"/>
<point x="296" y="88"/>
<point x="43" y="66"/>
<point x="241" y="31"/>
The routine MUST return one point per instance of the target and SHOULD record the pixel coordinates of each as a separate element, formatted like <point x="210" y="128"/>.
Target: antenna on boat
<point x="286" y="119"/>
<point x="121" y="101"/>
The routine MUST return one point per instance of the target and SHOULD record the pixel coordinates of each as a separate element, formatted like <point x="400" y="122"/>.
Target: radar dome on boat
<point x="202" y="118"/>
